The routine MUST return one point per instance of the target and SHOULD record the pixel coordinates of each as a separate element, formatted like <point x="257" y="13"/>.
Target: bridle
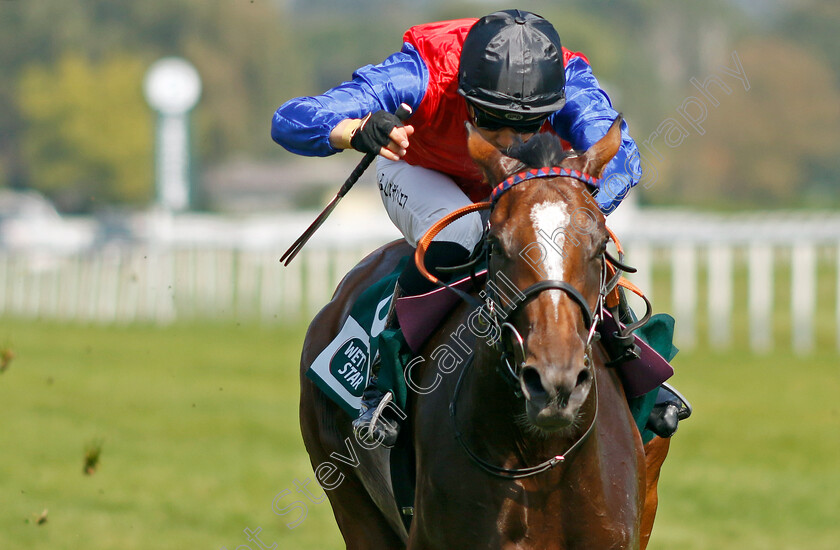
<point x="509" y="372"/>
<point x="500" y="314"/>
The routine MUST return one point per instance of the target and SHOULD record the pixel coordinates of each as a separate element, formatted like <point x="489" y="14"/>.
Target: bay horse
<point x="530" y="449"/>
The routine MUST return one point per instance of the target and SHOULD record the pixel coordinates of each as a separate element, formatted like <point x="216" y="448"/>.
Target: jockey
<point x="508" y="75"/>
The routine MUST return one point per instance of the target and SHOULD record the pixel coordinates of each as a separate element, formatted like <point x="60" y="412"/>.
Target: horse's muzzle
<point x="554" y="395"/>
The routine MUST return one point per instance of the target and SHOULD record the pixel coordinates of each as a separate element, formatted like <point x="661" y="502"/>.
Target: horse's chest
<point x="528" y="520"/>
<point x="525" y="525"/>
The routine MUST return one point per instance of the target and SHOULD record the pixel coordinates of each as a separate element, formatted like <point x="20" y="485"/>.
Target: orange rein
<point x="612" y="297"/>
<point x="425" y="241"/>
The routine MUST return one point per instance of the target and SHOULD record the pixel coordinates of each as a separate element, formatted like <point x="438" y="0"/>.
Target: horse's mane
<point x="541" y="150"/>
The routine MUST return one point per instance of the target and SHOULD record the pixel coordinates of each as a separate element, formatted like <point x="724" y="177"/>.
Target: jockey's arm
<point x="322" y="125"/>
<point x="584" y="120"/>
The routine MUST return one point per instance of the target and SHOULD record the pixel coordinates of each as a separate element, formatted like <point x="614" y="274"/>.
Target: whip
<point x="403" y="112"/>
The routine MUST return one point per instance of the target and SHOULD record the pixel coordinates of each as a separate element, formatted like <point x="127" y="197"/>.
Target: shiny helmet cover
<point x="512" y="64"/>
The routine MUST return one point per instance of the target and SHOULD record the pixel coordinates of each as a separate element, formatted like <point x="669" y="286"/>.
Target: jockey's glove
<point x="374" y="132"/>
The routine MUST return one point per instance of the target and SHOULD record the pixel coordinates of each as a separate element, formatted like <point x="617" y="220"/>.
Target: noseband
<point x="499" y="317"/>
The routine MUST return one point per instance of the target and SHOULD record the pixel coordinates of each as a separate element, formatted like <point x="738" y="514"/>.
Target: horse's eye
<point x="601" y="250"/>
<point x="495" y="246"/>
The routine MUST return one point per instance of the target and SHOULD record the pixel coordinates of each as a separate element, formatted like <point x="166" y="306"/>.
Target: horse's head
<point x="547" y="229"/>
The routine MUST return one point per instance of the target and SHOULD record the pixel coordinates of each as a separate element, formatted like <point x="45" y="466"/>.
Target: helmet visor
<point x="496" y="120"/>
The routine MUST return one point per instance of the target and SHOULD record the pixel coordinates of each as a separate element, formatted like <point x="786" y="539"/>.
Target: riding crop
<point x="403" y="112"/>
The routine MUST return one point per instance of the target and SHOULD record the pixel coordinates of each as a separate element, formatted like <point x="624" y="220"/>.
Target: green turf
<point x="199" y="433"/>
<point x="757" y="466"/>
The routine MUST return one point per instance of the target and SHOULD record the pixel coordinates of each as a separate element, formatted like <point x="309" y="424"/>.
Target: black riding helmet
<point x="512" y="66"/>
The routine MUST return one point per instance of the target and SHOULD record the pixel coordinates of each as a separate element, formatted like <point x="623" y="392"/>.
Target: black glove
<point x="374" y="132"/>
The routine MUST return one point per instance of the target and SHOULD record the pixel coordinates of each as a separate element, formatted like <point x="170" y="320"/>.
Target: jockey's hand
<point x="381" y="133"/>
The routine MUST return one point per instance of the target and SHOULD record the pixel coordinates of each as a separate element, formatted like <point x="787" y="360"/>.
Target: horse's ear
<point x="604" y="150"/>
<point x="493" y="164"/>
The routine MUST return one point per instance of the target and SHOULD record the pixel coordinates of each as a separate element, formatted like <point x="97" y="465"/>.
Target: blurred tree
<point x="254" y="55"/>
<point x="250" y="59"/>
<point x="88" y="137"/>
<point x="333" y="46"/>
<point x="772" y="146"/>
<point x="815" y="23"/>
<point x="246" y="52"/>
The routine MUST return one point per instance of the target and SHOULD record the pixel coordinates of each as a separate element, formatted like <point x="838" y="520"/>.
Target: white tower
<point x="172" y="88"/>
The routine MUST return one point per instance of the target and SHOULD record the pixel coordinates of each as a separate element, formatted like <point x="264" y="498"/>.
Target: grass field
<point x="199" y="433"/>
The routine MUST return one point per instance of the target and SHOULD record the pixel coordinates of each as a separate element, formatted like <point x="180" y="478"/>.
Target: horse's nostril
<point x="582" y="378"/>
<point x="532" y="382"/>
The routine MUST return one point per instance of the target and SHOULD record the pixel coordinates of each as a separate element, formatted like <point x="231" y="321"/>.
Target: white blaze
<point x="550" y="220"/>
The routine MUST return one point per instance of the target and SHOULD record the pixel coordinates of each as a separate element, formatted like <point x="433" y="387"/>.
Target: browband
<point x="546" y="172"/>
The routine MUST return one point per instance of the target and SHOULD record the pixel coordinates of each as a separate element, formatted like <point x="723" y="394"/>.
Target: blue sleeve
<point x="303" y="125"/>
<point x="584" y="120"/>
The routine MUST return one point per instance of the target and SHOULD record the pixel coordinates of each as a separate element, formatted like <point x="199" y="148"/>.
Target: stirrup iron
<point x="377" y="414"/>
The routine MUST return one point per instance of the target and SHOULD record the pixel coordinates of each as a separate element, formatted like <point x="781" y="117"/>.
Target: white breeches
<point x="417" y="197"/>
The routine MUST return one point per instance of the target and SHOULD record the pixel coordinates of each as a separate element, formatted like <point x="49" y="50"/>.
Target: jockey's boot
<point x="377" y="421"/>
<point x="670" y="408"/>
